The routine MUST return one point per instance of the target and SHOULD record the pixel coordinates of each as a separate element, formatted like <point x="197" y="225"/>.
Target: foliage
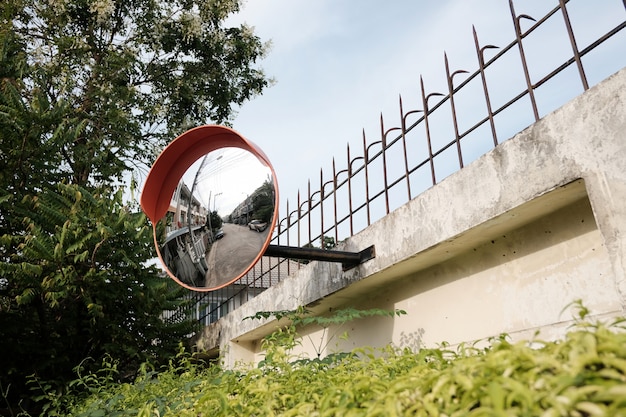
<point x="328" y="243"/>
<point x="582" y="375"/>
<point x="105" y="83"/>
<point x="76" y="287"/>
<point x="89" y="382"/>
<point x="263" y="202"/>
<point x="301" y="317"/>
<point x="214" y="221"/>
<point x="286" y="338"/>
<point x="90" y="90"/>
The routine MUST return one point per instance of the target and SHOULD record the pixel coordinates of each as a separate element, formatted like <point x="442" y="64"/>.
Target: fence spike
<point x="483" y="77"/>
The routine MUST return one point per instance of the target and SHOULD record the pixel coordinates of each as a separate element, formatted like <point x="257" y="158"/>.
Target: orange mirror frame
<point x="169" y="168"/>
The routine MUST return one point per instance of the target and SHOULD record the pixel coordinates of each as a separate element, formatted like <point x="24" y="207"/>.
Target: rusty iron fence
<point x="512" y="88"/>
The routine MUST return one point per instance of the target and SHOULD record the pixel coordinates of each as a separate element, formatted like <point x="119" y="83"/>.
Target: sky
<point x="338" y="65"/>
<point x="219" y="183"/>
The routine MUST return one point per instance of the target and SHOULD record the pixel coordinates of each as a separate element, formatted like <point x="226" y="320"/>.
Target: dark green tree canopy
<point x="263" y="202"/>
<point x="214" y="220"/>
<point x="126" y="76"/>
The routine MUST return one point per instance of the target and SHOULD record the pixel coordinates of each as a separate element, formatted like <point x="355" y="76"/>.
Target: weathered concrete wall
<point x="504" y="245"/>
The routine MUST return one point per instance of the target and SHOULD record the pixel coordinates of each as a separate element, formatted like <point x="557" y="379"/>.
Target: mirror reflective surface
<point x="219" y="219"/>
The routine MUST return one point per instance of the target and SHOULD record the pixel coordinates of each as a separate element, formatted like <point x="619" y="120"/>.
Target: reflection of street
<point x="231" y="255"/>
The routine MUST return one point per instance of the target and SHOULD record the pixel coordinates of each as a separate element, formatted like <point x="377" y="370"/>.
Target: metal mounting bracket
<point x="348" y="259"/>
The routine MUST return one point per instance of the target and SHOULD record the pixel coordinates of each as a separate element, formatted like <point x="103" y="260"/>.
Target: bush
<point x="582" y="375"/>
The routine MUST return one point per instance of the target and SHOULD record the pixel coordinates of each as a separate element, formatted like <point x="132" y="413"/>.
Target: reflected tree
<point x="263" y="202"/>
<point x="214" y="221"/>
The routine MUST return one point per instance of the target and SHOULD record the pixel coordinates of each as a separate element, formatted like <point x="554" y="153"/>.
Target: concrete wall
<point x="502" y="246"/>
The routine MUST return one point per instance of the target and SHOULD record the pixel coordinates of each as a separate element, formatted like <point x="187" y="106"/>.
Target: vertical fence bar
<point x="299" y="218"/>
<point x="259" y="280"/>
<point x="367" y="179"/>
<point x="288" y="230"/>
<point x="406" y="159"/>
<point x="431" y="159"/>
<point x="322" y="197"/>
<point x="384" y="154"/>
<point x="520" y="36"/>
<point x="302" y="214"/>
<point x="450" y="77"/>
<point x="312" y="199"/>
<point x="350" y="191"/>
<point x="324" y="184"/>
<point x="289" y="216"/>
<point x="384" y="145"/>
<point x="572" y="39"/>
<point x="310" y="208"/>
<point x="335" y="199"/>
<point x="288" y="223"/>
<point x="481" y="68"/>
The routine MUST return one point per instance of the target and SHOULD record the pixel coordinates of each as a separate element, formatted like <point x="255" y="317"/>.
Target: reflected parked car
<point x="219" y="234"/>
<point x="257" y="225"/>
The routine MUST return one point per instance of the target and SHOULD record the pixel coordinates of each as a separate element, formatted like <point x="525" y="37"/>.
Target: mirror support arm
<point x="348" y="259"/>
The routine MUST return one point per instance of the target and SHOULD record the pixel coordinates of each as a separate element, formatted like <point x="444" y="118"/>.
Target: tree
<point x="90" y="90"/>
<point x="214" y="220"/>
<point x="77" y="287"/>
<point x="263" y="202"/>
<point x="127" y="76"/>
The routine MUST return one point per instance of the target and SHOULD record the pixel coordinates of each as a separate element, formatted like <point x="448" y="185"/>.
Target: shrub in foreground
<point x="582" y="375"/>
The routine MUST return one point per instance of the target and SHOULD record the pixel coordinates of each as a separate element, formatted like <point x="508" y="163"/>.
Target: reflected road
<point x="231" y="255"/>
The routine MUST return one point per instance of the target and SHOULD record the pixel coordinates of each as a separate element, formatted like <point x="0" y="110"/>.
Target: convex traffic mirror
<point x="212" y="199"/>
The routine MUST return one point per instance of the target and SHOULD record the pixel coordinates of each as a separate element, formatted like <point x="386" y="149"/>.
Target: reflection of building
<point x="185" y="208"/>
<point x="183" y="254"/>
<point x="186" y="240"/>
<point x="243" y="212"/>
<point x="259" y="205"/>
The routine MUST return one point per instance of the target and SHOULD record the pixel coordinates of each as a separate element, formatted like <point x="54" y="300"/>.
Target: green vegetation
<point x="287" y="337"/>
<point x="90" y="92"/>
<point x="582" y="375"/>
<point x="328" y="243"/>
<point x="263" y="202"/>
<point x="215" y="221"/>
<point x="79" y="289"/>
